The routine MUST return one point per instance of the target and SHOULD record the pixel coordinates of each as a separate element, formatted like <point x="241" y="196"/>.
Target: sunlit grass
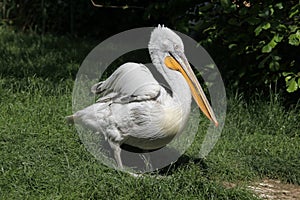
<point x="260" y="139"/>
<point x="42" y="157"/>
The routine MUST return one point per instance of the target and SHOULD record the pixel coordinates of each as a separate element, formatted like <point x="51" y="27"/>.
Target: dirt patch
<point x="274" y="189"/>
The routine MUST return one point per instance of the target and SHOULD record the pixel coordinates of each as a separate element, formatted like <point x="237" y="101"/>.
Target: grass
<point x="260" y="139"/>
<point x="42" y="158"/>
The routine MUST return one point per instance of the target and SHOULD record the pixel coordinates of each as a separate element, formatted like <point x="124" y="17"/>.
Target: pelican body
<point x="135" y="110"/>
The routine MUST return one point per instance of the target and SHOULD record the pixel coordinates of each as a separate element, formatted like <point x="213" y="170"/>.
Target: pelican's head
<point x="169" y="46"/>
<point x="165" y="40"/>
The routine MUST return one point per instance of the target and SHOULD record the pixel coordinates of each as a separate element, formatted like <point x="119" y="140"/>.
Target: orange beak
<point x="182" y="65"/>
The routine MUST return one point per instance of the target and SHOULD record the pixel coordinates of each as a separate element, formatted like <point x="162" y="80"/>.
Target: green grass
<point x="42" y="158"/>
<point x="260" y="139"/>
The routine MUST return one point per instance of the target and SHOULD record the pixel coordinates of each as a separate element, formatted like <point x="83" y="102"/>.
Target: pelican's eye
<point x="176" y="47"/>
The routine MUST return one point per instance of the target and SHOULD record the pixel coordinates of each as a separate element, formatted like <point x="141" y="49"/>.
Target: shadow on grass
<point x="32" y="55"/>
<point x="136" y="159"/>
<point x="183" y="161"/>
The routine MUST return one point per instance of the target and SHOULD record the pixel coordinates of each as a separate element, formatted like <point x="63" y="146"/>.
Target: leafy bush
<point x="255" y="44"/>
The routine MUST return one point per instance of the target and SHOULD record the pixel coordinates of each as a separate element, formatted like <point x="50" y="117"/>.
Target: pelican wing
<point x="130" y="82"/>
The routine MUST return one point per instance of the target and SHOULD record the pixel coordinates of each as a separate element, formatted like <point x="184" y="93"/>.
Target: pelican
<point x="135" y="110"/>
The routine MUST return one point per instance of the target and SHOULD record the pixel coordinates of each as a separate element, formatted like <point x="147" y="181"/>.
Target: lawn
<point x="43" y="158"/>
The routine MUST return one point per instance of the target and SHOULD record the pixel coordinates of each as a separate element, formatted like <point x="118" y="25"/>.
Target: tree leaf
<point x="225" y="3"/>
<point x="265" y="26"/>
<point x="287" y="78"/>
<point x="232" y="46"/>
<point x="252" y="20"/>
<point x="294" y="39"/>
<point x="266" y="49"/>
<point x="287" y="73"/>
<point x="293" y="28"/>
<point x="294" y="11"/>
<point x="277" y="38"/>
<point x="292" y="85"/>
<point x="281" y="27"/>
<point x="274" y="66"/>
<point x="271" y="10"/>
<point x="279" y="5"/>
<point x="276" y="58"/>
<point x="264" y="13"/>
<point x="272" y="44"/>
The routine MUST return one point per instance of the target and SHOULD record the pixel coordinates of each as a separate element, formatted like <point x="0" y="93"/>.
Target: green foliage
<point x="292" y="81"/>
<point x="253" y="43"/>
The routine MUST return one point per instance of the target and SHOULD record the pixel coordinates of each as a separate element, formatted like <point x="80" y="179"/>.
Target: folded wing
<point x="130" y="82"/>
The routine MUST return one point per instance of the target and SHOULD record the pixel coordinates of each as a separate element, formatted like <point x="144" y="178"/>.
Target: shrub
<point x="255" y="44"/>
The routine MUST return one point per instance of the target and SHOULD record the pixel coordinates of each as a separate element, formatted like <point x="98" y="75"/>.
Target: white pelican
<point x="135" y="110"/>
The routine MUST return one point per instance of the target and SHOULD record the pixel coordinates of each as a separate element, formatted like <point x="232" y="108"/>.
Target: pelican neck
<point x="180" y="90"/>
